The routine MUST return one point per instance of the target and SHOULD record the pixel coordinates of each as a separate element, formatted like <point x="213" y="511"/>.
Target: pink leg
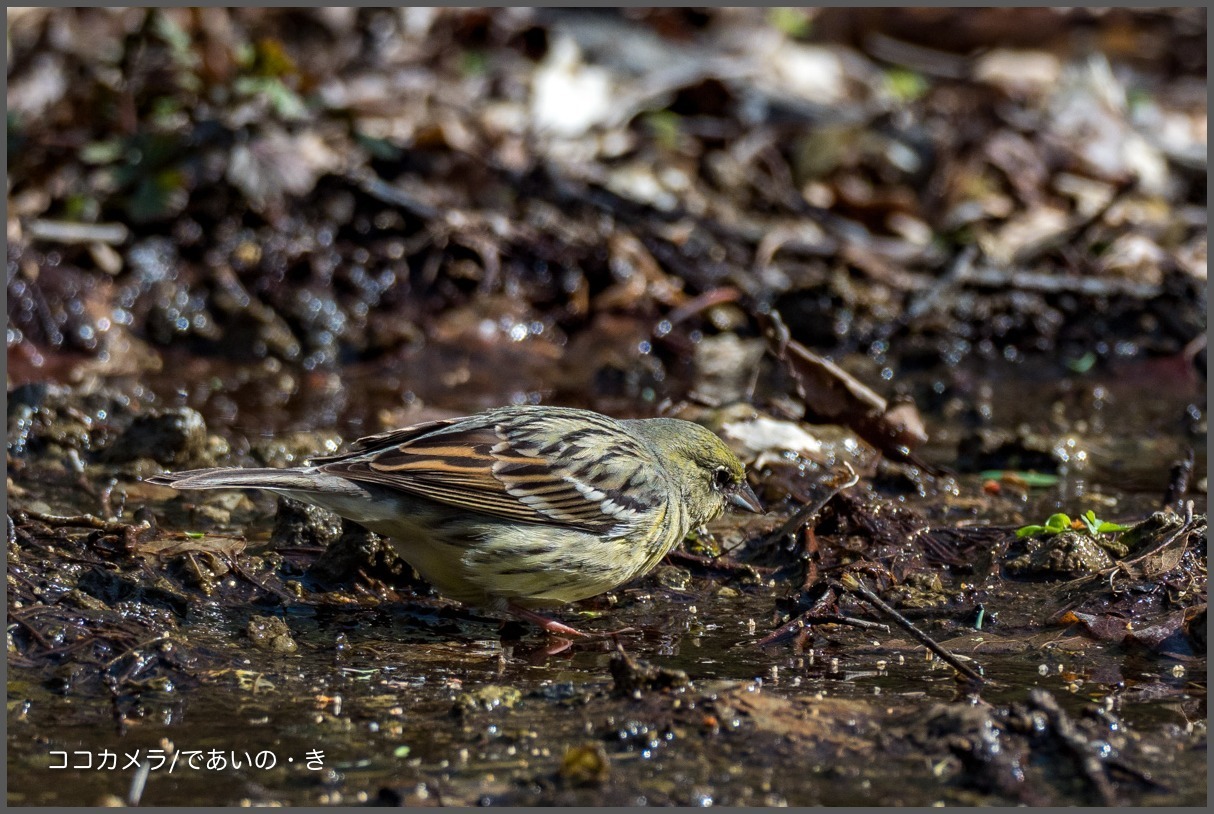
<point x="550" y="625"/>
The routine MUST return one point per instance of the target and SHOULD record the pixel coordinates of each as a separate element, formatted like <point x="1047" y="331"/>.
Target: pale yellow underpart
<point x="475" y="560"/>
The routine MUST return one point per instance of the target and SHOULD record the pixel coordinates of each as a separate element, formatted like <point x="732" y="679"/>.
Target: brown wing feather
<point x="518" y="466"/>
<point x="455" y="468"/>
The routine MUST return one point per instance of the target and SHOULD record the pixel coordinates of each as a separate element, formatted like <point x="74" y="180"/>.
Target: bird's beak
<point x="744" y="497"/>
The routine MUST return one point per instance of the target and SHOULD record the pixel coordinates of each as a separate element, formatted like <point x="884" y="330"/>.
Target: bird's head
<point x="708" y="473"/>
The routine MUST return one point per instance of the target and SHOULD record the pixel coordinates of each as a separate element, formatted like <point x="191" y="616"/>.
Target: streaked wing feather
<point x="461" y="495"/>
<point x="529" y="469"/>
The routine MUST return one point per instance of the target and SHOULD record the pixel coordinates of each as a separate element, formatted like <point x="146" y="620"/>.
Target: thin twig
<point x="37" y="634"/>
<point x="802" y="516"/>
<point x="709" y="299"/>
<point x="854" y="585"/>
<point x="806" y="619"/>
<point x="265" y="586"/>
<point x="88" y="521"/>
<point x="157" y="639"/>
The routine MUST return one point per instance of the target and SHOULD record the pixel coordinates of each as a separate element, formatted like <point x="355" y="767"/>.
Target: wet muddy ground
<point x="933" y="291"/>
<point x="222" y="631"/>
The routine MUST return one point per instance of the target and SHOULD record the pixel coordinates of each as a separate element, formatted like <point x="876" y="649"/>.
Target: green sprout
<point x="1058" y="523"/>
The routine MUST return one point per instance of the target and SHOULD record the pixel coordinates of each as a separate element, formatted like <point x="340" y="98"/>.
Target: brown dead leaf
<point x="1167" y="635"/>
<point x="1105" y="627"/>
<point x="169" y="547"/>
<point x="839" y="397"/>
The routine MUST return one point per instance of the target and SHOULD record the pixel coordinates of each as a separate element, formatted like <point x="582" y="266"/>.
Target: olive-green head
<point x="704" y="469"/>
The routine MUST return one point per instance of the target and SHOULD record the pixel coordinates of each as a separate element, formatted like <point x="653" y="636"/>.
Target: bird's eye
<point x="721" y="478"/>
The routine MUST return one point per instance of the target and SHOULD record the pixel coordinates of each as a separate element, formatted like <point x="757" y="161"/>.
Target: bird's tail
<point x="220" y="478"/>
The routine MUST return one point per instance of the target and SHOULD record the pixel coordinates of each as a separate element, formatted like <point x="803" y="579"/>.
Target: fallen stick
<point x="852" y="583"/>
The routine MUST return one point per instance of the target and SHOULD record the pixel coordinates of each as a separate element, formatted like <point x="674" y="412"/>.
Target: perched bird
<point x="519" y="507"/>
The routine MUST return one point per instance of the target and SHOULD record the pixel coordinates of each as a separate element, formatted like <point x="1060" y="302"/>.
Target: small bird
<point x="519" y="508"/>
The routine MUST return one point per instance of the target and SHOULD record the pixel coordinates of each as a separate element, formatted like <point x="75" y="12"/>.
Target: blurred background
<point x="474" y="207"/>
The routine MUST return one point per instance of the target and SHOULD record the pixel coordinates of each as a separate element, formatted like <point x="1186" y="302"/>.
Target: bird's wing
<point x="585" y="473"/>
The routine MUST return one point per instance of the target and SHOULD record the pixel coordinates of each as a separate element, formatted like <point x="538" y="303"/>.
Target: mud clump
<point x="271" y="634"/>
<point x="176" y="437"/>
<point x="1071" y="554"/>
<point x="633" y="677"/>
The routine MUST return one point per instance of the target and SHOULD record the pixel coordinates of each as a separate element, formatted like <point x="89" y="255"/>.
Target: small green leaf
<point x="1058" y="522"/>
<point x="401" y="751"/>
<point x="1055" y="524"/>
<point x="1090" y="521"/>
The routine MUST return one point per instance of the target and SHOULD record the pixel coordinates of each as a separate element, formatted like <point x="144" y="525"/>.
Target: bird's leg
<point x="551" y="625"/>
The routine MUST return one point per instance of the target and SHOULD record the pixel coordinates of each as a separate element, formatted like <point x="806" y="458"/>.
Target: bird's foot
<point x="551" y="625"/>
<point x="559" y="629"/>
